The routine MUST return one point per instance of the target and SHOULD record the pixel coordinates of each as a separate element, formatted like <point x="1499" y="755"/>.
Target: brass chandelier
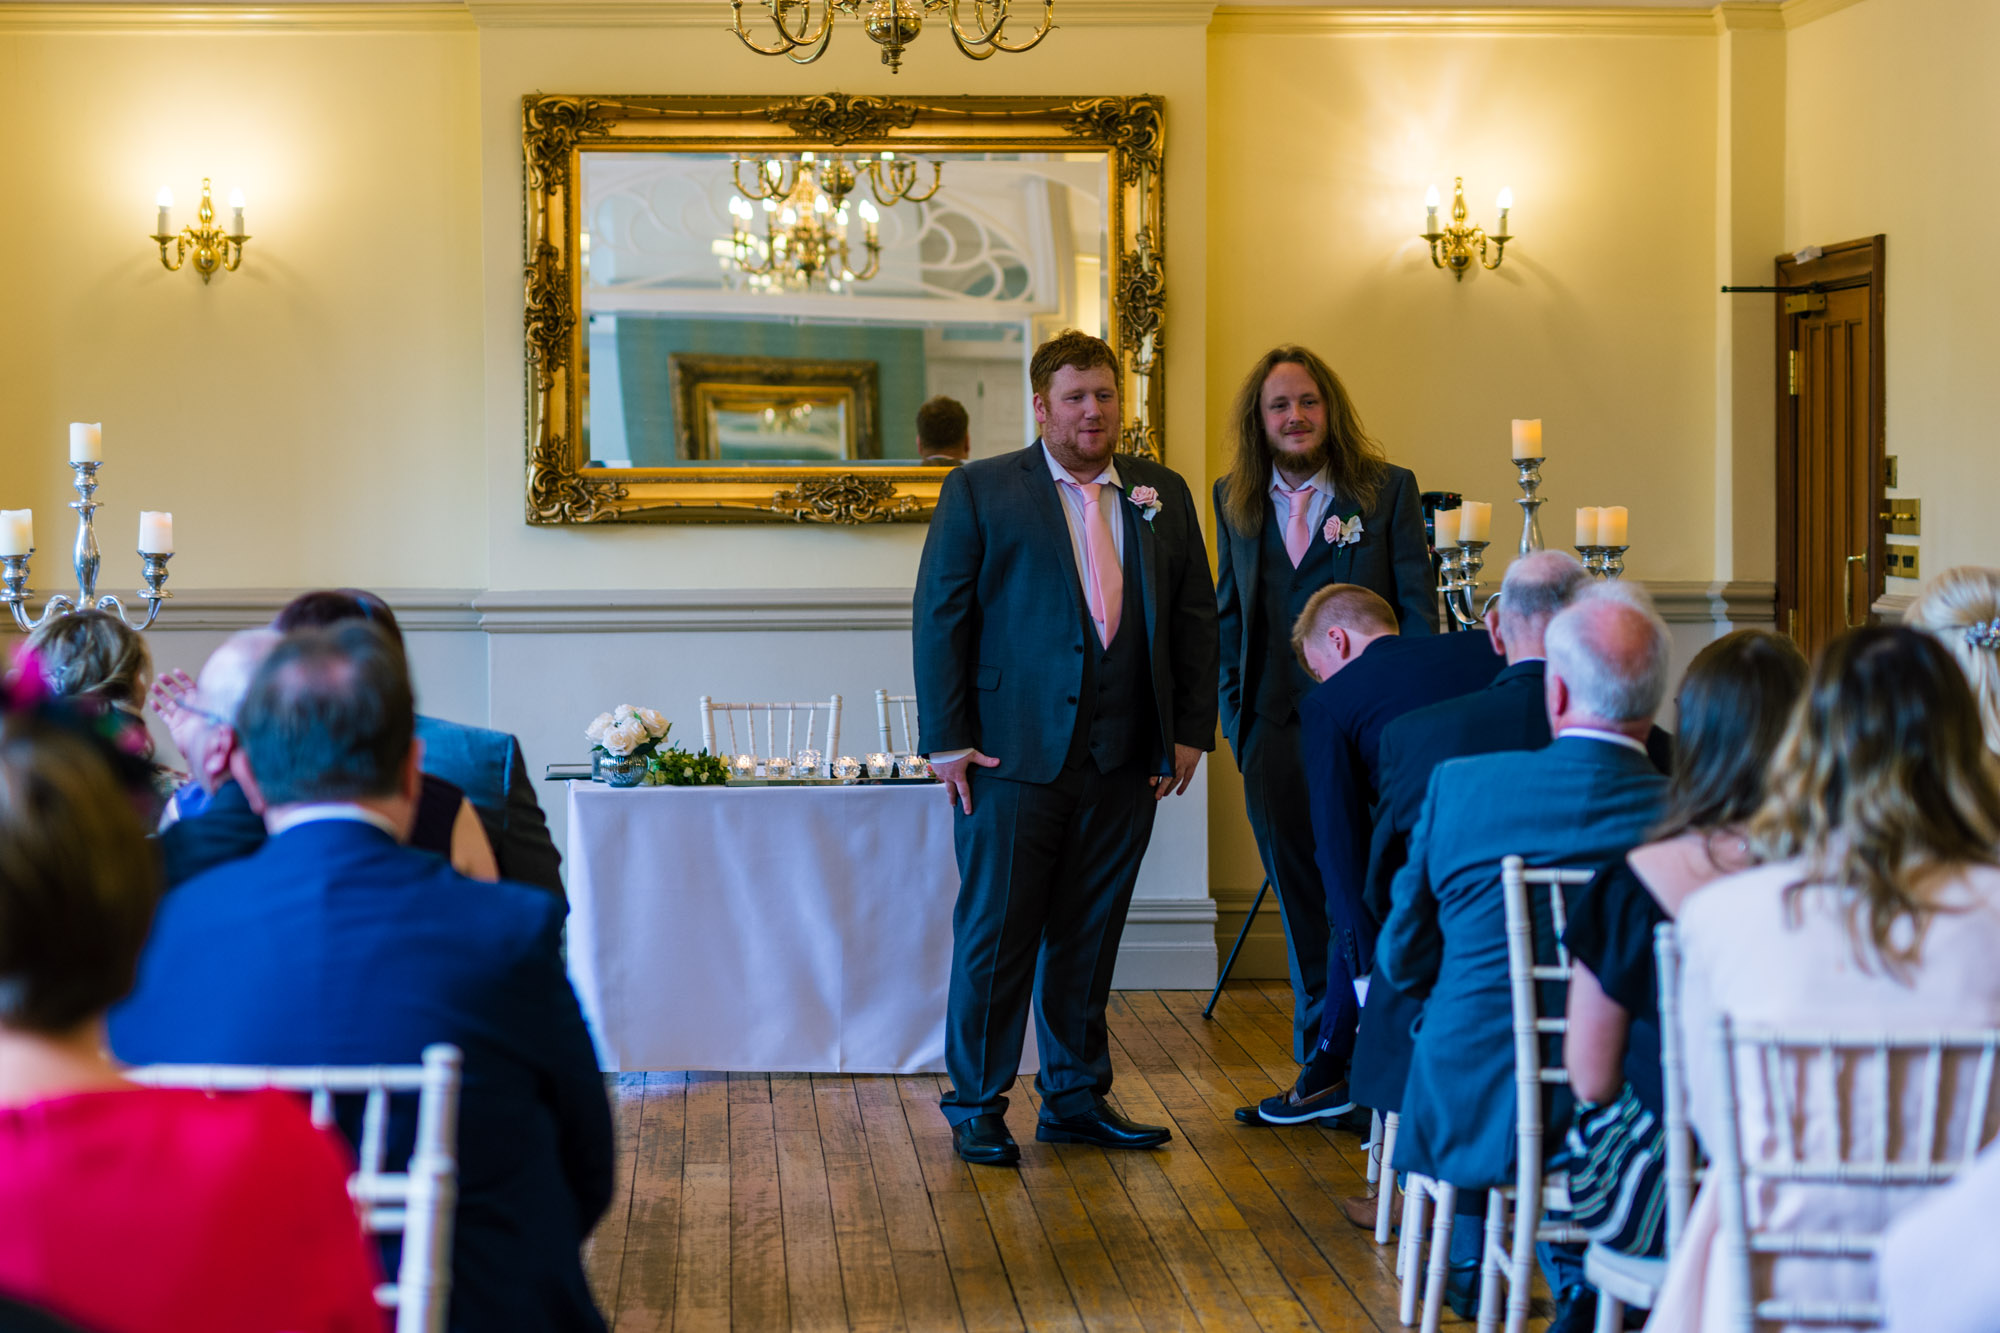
<point x="806" y="217"/>
<point x="892" y="24"/>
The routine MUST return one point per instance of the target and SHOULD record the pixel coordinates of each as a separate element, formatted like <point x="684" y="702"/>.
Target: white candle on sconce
<point x="1475" y="522"/>
<point x="1505" y="203"/>
<point x="1586" y="526"/>
<point x="1611" y="526"/>
<point x="156" y="532"/>
<point x="236" y="227"/>
<point x="1431" y="210"/>
<point x="17" y="531"/>
<point x="164" y="200"/>
<point x="1528" y="437"/>
<point x="1446" y="522"/>
<point x="86" y="441"/>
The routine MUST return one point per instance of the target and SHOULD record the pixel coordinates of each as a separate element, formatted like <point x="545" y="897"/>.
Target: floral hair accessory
<point x="1343" y="534"/>
<point x="1148" y="499"/>
<point x="1984" y="634"/>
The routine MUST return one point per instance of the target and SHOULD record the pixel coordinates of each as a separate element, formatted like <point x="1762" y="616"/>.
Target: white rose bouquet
<point x="626" y="731"/>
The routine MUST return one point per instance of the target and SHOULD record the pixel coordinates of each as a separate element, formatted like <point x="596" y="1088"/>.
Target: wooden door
<point x="1830" y="454"/>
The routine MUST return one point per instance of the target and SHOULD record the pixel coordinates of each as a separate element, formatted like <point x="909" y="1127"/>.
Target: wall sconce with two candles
<point x="1454" y="246"/>
<point x="211" y="246"/>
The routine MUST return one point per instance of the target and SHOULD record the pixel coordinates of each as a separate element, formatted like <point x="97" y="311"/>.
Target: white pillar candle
<point x="156" y="532"/>
<point x="1528" y="438"/>
<point x="86" y="441"/>
<point x="1446" y="522"/>
<point x="236" y="211"/>
<point x="1431" y="210"/>
<point x="1475" y="522"/>
<point x="1611" y="526"/>
<point x="17" y="531"/>
<point x="1586" y="526"/>
<point x="165" y="202"/>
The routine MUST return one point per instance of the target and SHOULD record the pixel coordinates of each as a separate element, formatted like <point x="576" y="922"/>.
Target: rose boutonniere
<point x="1148" y="501"/>
<point x="1343" y="534"/>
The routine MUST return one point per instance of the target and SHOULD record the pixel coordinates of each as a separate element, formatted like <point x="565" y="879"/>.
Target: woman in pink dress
<point x="1878" y="910"/>
<point x="126" y="1209"/>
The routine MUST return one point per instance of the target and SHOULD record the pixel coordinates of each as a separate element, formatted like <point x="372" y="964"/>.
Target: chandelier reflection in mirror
<point x="806" y="217"/>
<point x="978" y="27"/>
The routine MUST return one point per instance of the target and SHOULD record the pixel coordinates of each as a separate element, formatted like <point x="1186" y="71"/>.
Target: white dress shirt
<point x="321" y="810"/>
<point x="1613" y="737"/>
<point x="1319" y="501"/>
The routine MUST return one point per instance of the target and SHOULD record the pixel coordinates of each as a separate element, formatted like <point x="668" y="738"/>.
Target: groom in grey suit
<point x="1065" y="648"/>
<point x="1587" y="797"/>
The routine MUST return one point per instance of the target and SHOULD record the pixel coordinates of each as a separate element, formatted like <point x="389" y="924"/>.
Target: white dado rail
<point x="541" y="664"/>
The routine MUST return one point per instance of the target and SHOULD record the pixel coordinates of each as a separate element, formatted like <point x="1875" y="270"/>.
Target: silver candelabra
<point x="1603" y="562"/>
<point x="14" y="588"/>
<point x="1531" y="504"/>
<point x="1458" y="581"/>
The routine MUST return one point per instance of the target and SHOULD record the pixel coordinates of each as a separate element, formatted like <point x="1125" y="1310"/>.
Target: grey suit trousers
<point x="1046" y="874"/>
<point x="1274" y="790"/>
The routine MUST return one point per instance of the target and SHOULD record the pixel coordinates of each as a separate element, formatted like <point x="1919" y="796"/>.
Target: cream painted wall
<point x="1082" y="60"/>
<point x="1892" y="126"/>
<point x="311" y="418"/>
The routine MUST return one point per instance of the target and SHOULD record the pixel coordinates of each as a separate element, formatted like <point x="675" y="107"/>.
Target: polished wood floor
<point x="769" y="1202"/>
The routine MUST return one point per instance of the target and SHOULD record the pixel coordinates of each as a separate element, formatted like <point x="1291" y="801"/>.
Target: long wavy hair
<point x="1960" y="608"/>
<point x="1731" y="713"/>
<point x="1882" y="787"/>
<point x="1354" y="460"/>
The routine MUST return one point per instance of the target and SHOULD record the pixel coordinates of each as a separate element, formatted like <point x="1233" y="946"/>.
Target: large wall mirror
<point x="736" y="305"/>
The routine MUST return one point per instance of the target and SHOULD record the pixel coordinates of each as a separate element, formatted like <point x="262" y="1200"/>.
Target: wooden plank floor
<point x="773" y="1202"/>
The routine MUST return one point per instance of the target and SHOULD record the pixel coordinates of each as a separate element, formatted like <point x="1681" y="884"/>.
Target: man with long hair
<point x="1065" y="669"/>
<point x="1309" y="500"/>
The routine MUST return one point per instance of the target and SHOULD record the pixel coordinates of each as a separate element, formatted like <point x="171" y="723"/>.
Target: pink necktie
<point x="1297" y="536"/>
<point x="1103" y="581"/>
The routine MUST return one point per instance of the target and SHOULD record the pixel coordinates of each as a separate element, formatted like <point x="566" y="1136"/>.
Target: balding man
<point x="1590" y="795"/>
<point x="202" y="717"/>
<point x="1349" y="632"/>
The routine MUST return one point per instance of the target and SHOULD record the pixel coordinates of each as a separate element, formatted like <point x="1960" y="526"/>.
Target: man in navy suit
<point x="1065" y="667"/>
<point x="1369" y="675"/>
<point x="334" y="944"/>
<point x="1309" y="501"/>
<point x="1590" y="795"/>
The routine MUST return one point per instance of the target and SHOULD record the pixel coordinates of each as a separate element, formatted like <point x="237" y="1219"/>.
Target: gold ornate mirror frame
<point x="555" y="129"/>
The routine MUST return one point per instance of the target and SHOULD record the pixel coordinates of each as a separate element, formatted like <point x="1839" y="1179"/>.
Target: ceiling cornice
<point x="1525" y="21"/>
<point x="83" y="16"/>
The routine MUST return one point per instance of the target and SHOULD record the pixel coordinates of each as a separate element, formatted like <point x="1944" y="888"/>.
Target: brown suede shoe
<point x="1359" y="1209"/>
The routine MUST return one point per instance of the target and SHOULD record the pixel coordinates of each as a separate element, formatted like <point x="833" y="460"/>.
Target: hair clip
<point x="1984" y="633"/>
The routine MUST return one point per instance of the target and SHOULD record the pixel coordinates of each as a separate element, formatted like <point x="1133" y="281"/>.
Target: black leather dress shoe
<point x="1104" y="1127"/>
<point x="984" y="1141"/>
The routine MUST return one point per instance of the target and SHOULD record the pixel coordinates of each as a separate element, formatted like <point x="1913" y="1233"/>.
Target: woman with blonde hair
<point x="1960" y="608"/>
<point x="102" y="665"/>
<point x="1877" y="911"/>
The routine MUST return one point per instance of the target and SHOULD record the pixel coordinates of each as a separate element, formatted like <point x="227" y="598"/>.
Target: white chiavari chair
<point x="822" y="720"/>
<point x="1814" y="1133"/>
<point x="905" y="709"/>
<point x="418" y="1202"/>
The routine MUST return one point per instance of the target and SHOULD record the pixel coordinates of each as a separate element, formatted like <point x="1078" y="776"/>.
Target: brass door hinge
<point x="1792" y="373"/>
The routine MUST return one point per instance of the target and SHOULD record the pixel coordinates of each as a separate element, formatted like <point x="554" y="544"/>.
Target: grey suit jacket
<point x="1391" y="559"/>
<point x="1579" y="802"/>
<point x="1000" y="620"/>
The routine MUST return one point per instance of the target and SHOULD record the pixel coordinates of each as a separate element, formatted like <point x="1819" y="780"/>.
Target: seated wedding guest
<point x="1348" y="631"/>
<point x="486" y="765"/>
<point x="1960" y="608"/>
<point x="1938" y="1274"/>
<point x="1877" y="909"/>
<point x="123" y="1208"/>
<point x="96" y="659"/>
<point x="1732" y="709"/>
<point x="944" y="432"/>
<point x="201" y="715"/>
<point x="1508" y="714"/>
<point x="332" y="944"/>
<point x="1586" y="797"/>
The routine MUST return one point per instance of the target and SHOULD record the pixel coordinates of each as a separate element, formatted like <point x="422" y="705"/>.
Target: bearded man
<point x="1309" y="500"/>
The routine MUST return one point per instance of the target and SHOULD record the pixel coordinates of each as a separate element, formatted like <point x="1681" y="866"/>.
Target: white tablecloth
<point x="799" y="929"/>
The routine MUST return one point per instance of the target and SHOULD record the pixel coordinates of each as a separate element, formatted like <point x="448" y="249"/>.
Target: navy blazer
<point x="489" y="767"/>
<point x="1391" y="559"/>
<point x="1341" y="722"/>
<point x="333" y="945"/>
<point x="1578" y="802"/>
<point x="1000" y="618"/>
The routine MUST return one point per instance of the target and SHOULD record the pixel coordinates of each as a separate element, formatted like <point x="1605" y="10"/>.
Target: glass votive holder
<point x="881" y="765"/>
<point x="846" y="768"/>
<point x="743" y="766"/>
<point x="808" y="764"/>
<point x="914" y="766"/>
<point x="777" y="766"/>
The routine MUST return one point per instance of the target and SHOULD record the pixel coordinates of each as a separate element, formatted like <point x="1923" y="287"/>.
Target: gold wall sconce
<point x="1455" y="245"/>
<point x="211" y="246"/>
